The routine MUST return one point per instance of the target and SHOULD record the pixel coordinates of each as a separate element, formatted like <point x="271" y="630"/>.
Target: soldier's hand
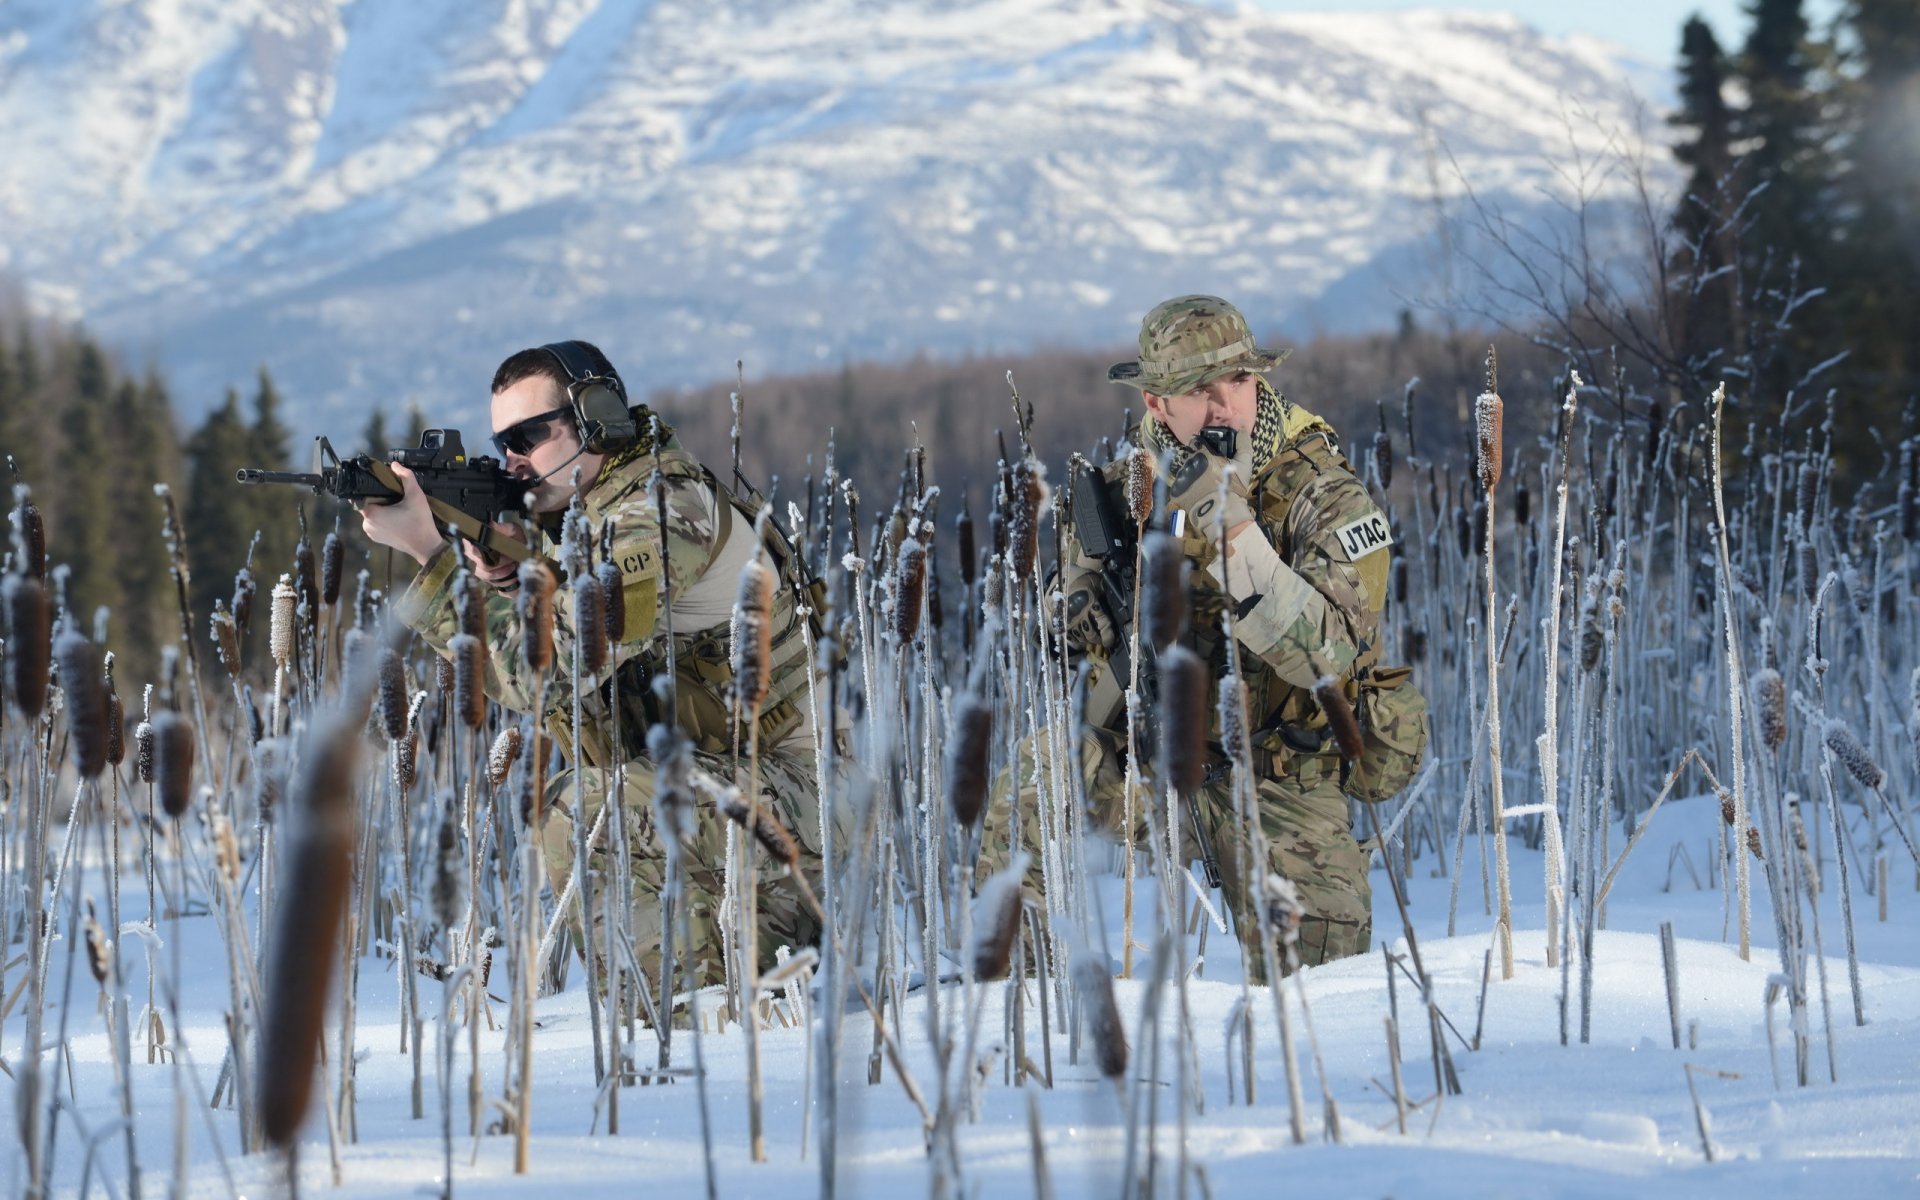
<point x="406" y="524"/>
<point x="1195" y="490"/>
<point x="497" y="569"/>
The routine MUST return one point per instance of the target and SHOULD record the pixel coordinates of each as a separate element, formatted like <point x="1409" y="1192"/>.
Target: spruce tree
<point x="146" y="452"/>
<point x="274" y="511"/>
<point x="218" y="512"/>
<point x="1706" y="303"/>
<point x="81" y="523"/>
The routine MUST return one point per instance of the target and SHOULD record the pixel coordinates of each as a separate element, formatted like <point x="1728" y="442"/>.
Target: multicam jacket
<point x="684" y="579"/>
<point x="1319" y="518"/>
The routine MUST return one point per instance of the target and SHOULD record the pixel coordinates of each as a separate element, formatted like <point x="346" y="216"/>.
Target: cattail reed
<point x="1853" y="756"/>
<point x="1770" y="707"/>
<point x="242" y="603"/>
<point x="613" y="611"/>
<point x="1163" y="600"/>
<point x="1592" y="638"/>
<point x="143" y="751"/>
<point x="1488" y="435"/>
<point x="765" y="827"/>
<point x="1285" y="909"/>
<point x="536" y="613"/>
<point x="1233" y="721"/>
<point x="1383" y="455"/>
<point x="306" y="581"/>
<point x="333" y="553"/>
<point x="280" y="630"/>
<point x="298" y="982"/>
<point x="1332" y="699"/>
<point x="28" y="644"/>
<point x="1808" y="493"/>
<point x="30" y="535"/>
<point x="968" y="749"/>
<point x="226" y="638"/>
<point x="501" y="755"/>
<point x="392" y="691"/>
<point x="173" y="761"/>
<point x="1094" y="985"/>
<point x="969" y="553"/>
<point x="469" y="679"/>
<point x="997" y="923"/>
<point x="672" y="756"/>
<point x="116" y="721"/>
<point x="448" y="868"/>
<point x="1183" y="718"/>
<point x="1140" y="487"/>
<point x="406" y="761"/>
<point x="1023" y="534"/>
<point x="470" y="605"/>
<point x="99" y="949"/>
<point x="86" y="702"/>
<point x="753" y="635"/>
<point x="1809" y="570"/>
<point x="590" y="622"/>
<point x="909" y="589"/>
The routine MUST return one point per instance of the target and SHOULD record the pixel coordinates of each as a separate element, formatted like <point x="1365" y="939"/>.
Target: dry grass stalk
<point x="29" y="643"/>
<point x="173" y="750"/>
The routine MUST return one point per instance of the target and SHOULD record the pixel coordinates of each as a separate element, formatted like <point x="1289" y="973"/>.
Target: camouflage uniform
<point x="1313" y="611"/>
<point x="708" y="539"/>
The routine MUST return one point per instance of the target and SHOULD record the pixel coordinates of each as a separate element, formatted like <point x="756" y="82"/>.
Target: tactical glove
<point x="1195" y="490"/>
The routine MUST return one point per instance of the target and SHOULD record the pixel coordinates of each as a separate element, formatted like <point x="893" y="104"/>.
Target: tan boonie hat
<point x="1188" y="341"/>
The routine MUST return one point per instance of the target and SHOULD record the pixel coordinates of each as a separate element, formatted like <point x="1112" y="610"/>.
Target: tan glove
<point x="1195" y="490"/>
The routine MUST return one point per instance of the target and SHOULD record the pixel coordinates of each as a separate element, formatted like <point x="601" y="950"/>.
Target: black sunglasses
<point x="522" y="436"/>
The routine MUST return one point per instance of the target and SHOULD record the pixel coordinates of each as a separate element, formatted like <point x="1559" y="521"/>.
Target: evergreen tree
<point x="81" y="525"/>
<point x="218" y="513"/>
<point x="146" y="452"/>
<point x="376" y="438"/>
<point x="1705" y="307"/>
<point x="274" y="511"/>
<point x="27" y="381"/>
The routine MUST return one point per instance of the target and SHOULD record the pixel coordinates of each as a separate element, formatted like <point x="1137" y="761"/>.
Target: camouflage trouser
<point x="1302" y="813"/>
<point x="786" y="919"/>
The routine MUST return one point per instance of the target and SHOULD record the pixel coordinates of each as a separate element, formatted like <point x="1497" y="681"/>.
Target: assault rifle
<point x="465" y="493"/>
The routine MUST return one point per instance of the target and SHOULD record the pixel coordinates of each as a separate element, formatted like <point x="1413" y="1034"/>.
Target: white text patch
<point x="1363" y="537"/>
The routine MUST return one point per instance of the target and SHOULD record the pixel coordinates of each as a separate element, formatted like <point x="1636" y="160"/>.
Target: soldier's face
<point x="1231" y="400"/>
<point x="557" y="455"/>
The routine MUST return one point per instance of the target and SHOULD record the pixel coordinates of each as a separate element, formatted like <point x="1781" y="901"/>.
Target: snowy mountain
<point x="380" y="198"/>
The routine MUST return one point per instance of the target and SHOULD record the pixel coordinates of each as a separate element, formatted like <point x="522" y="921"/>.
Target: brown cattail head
<point x="1232" y="709"/>
<point x="1163" y="599"/>
<point x="765" y="827"/>
<point x="393" y="694"/>
<point x="1285" y="909"/>
<point x="318" y="868"/>
<point x="968" y="760"/>
<point x="29" y="535"/>
<point x="996" y="922"/>
<point x="1592" y="637"/>
<point x="333" y="555"/>
<point x="406" y="761"/>
<point x="469" y="679"/>
<point x="672" y="756"/>
<point x="226" y="638"/>
<point x="280" y="636"/>
<point x="1853" y="756"/>
<point x="909" y="589"/>
<point x="306" y="582"/>
<point x="993" y="589"/>
<point x="1808" y="494"/>
<point x="116" y="721"/>
<point x="502" y="754"/>
<point x="1726" y="806"/>
<point x="29" y="643"/>
<point x="1183" y="719"/>
<point x="173" y="761"/>
<point x="1487" y="422"/>
<point x="1332" y="699"/>
<point x="614" y="611"/>
<point x="242" y="605"/>
<point x="448" y="866"/>
<point x="1023" y="532"/>
<point x="590" y="622"/>
<point x="143" y="751"/>
<point x="1383" y="458"/>
<point x="753" y="635"/>
<point x="1753" y="843"/>
<point x="969" y="553"/>
<point x="99" y="949"/>
<point x="1523" y="504"/>
<point x="470" y="605"/>
<point x="1770" y="707"/>
<point x="1093" y="983"/>
<point x="1809" y="570"/>
<point x="1139" y="489"/>
<point x="536" y="613"/>
<point x="86" y="702"/>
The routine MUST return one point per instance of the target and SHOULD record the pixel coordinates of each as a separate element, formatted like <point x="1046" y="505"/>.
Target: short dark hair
<point x="523" y="364"/>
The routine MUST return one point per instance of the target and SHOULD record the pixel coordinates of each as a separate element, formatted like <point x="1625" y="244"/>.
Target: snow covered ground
<point x="1534" y="1118"/>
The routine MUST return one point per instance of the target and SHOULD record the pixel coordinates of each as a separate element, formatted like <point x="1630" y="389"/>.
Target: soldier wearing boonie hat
<point x="1304" y="576"/>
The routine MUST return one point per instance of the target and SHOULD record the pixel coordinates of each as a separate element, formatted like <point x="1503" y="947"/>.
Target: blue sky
<point x="1650" y="28"/>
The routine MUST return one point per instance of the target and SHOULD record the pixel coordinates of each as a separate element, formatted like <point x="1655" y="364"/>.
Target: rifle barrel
<point x="303" y="478"/>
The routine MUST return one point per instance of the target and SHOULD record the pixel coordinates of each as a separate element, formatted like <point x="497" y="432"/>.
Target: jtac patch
<point x="1364" y="536"/>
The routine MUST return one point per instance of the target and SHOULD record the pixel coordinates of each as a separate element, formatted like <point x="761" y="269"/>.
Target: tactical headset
<point x="598" y="399"/>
